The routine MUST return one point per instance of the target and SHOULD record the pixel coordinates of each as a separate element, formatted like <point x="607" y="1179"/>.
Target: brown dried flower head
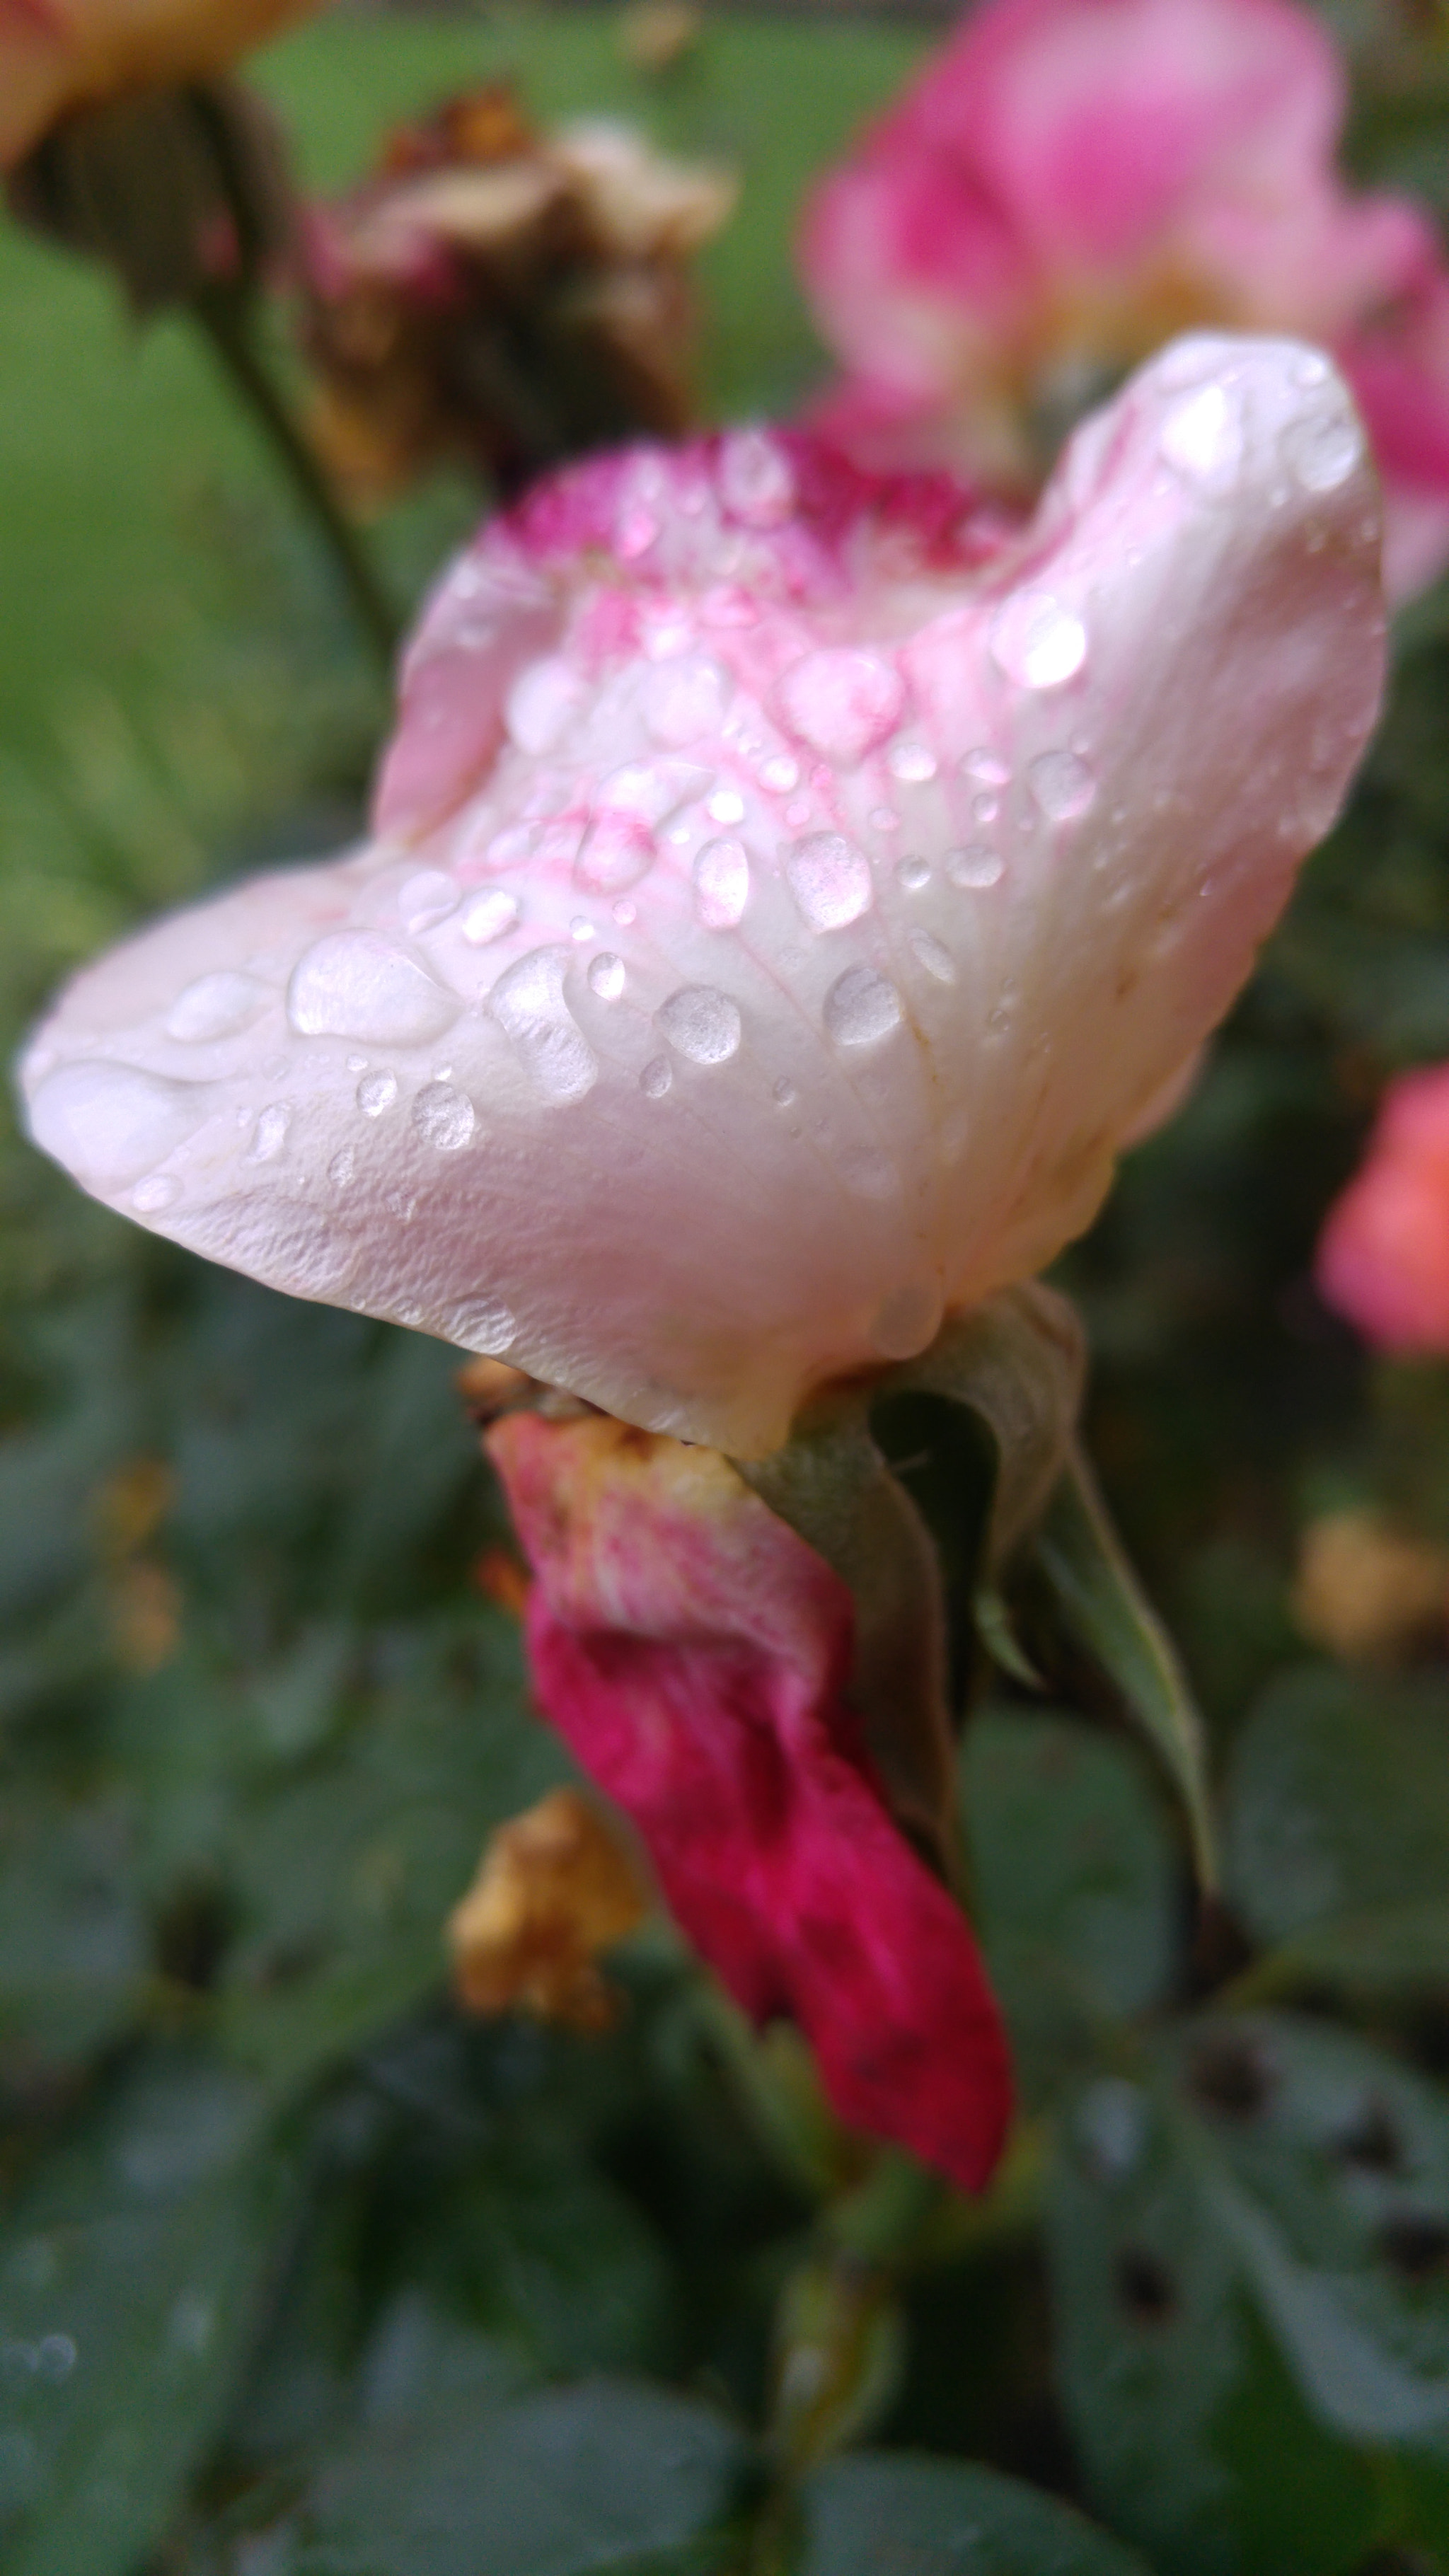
<point x="555" y="1886"/>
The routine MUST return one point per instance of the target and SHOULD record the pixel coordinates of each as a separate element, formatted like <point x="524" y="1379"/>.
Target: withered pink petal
<point x="1383" y="1261"/>
<point x="693" y="1653"/>
<point x="788" y="895"/>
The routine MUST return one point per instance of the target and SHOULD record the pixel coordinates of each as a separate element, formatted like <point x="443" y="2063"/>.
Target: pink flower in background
<point x="1072" y="181"/>
<point x="694" y="1653"/>
<point x="1384" y="1257"/>
<point x="785" y="898"/>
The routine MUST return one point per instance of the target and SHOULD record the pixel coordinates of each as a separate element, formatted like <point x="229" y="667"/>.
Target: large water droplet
<point x="541" y="703"/>
<point x="652" y="790"/>
<point x="911" y="762"/>
<point x="356" y="984"/>
<point x="1203" y="436"/>
<point x="269" y="1136"/>
<point x="986" y="766"/>
<point x="702" y="1023"/>
<point x="216" y="1006"/>
<point x="755" y="478"/>
<point x="861" y="1008"/>
<point x="1323" y="451"/>
<point x="484" y="1325"/>
<point x="109" y="1124"/>
<point x="913" y="873"/>
<point x="489" y="916"/>
<point x="780" y="774"/>
<point x="907" y="1320"/>
<point x="376" y="1092"/>
<point x="686" y="699"/>
<point x="974" y="868"/>
<point x="721" y="884"/>
<point x="841" y="702"/>
<point x="1062" y="784"/>
<point x="829" y="879"/>
<point x="527" y="1001"/>
<point x="936" y="959"/>
<point x="726" y="805"/>
<point x="443" y="1117"/>
<point x="619" y="850"/>
<point x="427" y="899"/>
<point x="1036" y="641"/>
<point x="606" y="976"/>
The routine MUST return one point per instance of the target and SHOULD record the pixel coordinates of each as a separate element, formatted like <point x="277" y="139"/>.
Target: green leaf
<point x="1075" y="1880"/>
<point x="882" y="2511"/>
<point x="73" y="1941"/>
<point x="1101" y="1604"/>
<point x="1336" y="1836"/>
<point x="609" y="2474"/>
<point x="131" y="2279"/>
<point x="1250" y="2262"/>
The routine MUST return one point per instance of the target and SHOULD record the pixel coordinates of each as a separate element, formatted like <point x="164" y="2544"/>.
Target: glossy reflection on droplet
<point x="444" y="1117"/>
<point x="1062" y="784"/>
<point x="861" y="1008"/>
<point x="1036" y="641"/>
<point x="830" y="880"/>
<point x="356" y="984"/>
<point x="702" y="1023"/>
<point x="722" y="884"/>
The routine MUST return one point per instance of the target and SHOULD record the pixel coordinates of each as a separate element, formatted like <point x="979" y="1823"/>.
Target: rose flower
<point x="785" y="896"/>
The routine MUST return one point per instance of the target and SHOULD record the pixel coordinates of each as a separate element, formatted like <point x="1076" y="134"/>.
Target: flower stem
<point x="222" y="318"/>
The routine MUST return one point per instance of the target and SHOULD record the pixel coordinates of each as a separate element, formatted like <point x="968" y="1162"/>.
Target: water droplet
<point x="443" y="1117"/>
<point x="726" y="805"/>
<point x="985" y="807"/>
<point x="356" y="984"/>
<point x="784" y="1092"/>
<point x="1203" y="435"/>
<point x="110" y="1124"/>
<point x="1062" y="784"/>
<point x="606" y="976"/>
<point x="985" y="765"/>
<point x="702" y="1023"/>
<point x="342" y="1167"/>
<point x="269" y="1136"/>
<point x="721" y="884"/>
<point x="1310" y="369"/>
<point x="635" y="531"/>
<point x="1036" y="641"/>
<point x="780" y="774"/>
<point x="884" y="818"/>
<point x="427" y="899"/>
<point x="620" y="849"/>
<point x="488" y="917"/>
<point x="541" y="703"/>
<point x="1323" y="451"/>
<point x="861" y="1008"/>
<point x="626" y="914"/>
<point x="527" y="1001"/>
<point x="829" y="879"/>
<point x="150" y="1196"/>
<point x="376" y="1092"/>
<point x="755" y="478"/>
<point x="913" y="873"/>
<point x="911" y="762"/>
<point x="868" y="1174"/>
<point x="355" y="1063"/>
<point x="975" y="867"/>
<point x="685" y="699"/>
<point x="655" y="1079"/>
<point x="841" y="702"/>
<point x="580" y="928"/>
<point x="907" y="1320"/>
<point x="482" y="1324"/>
<point x="936" y="959"/>
<point x="216" y="1006"/>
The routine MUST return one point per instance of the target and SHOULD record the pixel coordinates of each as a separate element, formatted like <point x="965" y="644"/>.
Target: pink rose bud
<point x="1071" y="181"/>
<point x="785" y="899"/>
<point x="1384" y="1257"/>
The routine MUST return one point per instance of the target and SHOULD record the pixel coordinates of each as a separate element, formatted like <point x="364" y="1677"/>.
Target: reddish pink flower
<point x="1069" y="183"/>
<point x="694" y="1653"/>
<point x="1384" y="1257"/>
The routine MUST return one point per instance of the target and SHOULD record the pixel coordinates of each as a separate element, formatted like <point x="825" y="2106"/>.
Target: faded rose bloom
<point x="1383" y="1260"/>
<point x="695" y="1654"/>
<point x="1072" y="181"/>
<point x="56" y="55"/>
<point x="503" y="295"/>
<point x="784" y="901"/>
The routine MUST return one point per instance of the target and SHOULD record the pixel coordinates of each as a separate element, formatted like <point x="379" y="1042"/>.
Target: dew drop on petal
<point x="376" y="1092"/>
<point x="483" y="1325"/>
<point x="726" y="805"/>
<point x="619" y="850"/>
<point x="343" y="1167"/>
<point x="655" y="1079"/>
<point x="784" y="1092"/>
<point x="581" y="928"/>
<point x="1310" y="369"/>
<point x="1203" y="435"/>
<point x="427" y="899"/>
<point x="841" y="702"/>
<point x="686" y="699"/>
<point x="356" y="984"/>
<point x="913" y="873"/>
<point x="911" y="762"/>
<point x="110" y="1123"/>
<point x="861" y="1008"/>
<point x="443" y="1117"/>
<point x="1036" y="641"/>
<point x="702" y="1023"/>
<point x="489" y="916"/>
<point x="1062" y="784"/>
<point x="540" y="704"/>
<point x="975" y="867"/>
<point x="216" y="1006"/>
<point x="830" y="880"/>
<point x="1323" y="451"/>
<point x="606" y="976"/>
<point x="985" y="807"/>
<point x="721" y="884"/>
<point x="626" y="914"/>
<point x="269" y="1136"/>
<point x="907" y="1320"/>
<point x="936" y="959"/>
<point x="160" y="1191"/>
<point x="780" y="774"/>
<point x="987" y="767"/>
<point x="528" y="1003"/>
<point x="755" y="477"/>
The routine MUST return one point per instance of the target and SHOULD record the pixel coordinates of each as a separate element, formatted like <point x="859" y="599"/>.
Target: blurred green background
<point x="301" y="2272"/>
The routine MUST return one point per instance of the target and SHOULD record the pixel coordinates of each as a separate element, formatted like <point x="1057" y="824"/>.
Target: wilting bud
<point x="555" y="1887"/>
